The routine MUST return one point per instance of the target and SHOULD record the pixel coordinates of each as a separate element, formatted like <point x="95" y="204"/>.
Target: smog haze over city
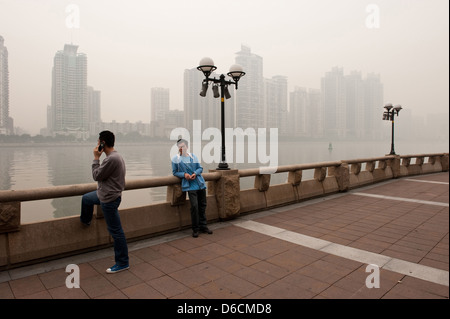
<point x="134" y="45"/>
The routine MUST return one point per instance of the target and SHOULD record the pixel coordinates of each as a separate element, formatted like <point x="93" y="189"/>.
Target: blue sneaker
<point x="117" y="268"/>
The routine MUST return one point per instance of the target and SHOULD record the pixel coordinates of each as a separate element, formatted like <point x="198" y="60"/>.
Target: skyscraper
<point x="160" y="103"/>
<point x="5" y="121"/>
<point x="334" y="103"/>
<point x="354" y="90"/>
<point x="94" y="107"/>
<point x="276" y="104"/>
<point x="305" y="113"/>
<point x="250" y="95"/>
<point x="373" y="105"/>
<point x="69" y="107"/>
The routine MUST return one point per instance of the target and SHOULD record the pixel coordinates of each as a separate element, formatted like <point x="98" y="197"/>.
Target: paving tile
<point x="26" y="286"/>
<point x="146" y="271"/>
<point x="38" y="295"/>
<point x="167" y="286"/>
<point x="55" y="278"/>
<point x="189" y="294"/>
<point x="312" y="285"/>
<point x="5" y="291"/>
<point x="214" y="290"/>
<point x="426" y="286"/>
<point x="281" y="290"/>
<point x="271" y="269"/>
<point x="290" y="261"/>
<point x="166" y="265"/>
<point x="435" y="264"/>
<point x="147" y="254"/>
<point x="123" y="279"/>
<point x="335" y="292"/>
<point x="254" y="276"/>
<point x="185" y="259"/>
<point x="236" y="285"/>
<point x="406" y="292"/>
<point x="97" y="286"/>
<point x="117" y="294"/>
<point x="63" y="292"/>
<point x="226" y="264"/>
<point x="190" y="279"/>
<point x="142" y="291"/>
<point x="244" y="259"/>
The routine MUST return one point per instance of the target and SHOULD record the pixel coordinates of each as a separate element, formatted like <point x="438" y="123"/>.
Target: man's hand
<point x="97" y="154"/>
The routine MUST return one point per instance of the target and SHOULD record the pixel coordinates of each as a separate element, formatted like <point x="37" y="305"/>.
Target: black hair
<point x="181" y="140"/>
<point x="107" y="137"/>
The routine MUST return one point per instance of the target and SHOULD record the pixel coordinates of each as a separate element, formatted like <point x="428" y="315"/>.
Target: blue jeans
<point x="112" y="218"/>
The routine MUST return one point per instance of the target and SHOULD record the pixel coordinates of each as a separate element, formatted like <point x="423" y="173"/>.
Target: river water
<point x="34" y="166"/>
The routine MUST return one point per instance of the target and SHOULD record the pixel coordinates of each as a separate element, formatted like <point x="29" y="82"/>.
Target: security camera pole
<point x="207" y="67"/>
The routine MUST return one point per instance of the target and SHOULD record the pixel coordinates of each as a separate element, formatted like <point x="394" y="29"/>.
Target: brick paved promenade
<point x="319" y="248"/>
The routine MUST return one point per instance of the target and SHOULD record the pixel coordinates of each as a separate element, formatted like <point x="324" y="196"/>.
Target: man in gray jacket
<point x="110" y="176"/>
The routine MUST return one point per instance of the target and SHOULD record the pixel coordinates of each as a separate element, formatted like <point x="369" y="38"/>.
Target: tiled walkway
<point x="330" y="247"/>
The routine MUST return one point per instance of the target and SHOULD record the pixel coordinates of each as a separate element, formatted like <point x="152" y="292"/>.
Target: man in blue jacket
<point x="187" y="167"/>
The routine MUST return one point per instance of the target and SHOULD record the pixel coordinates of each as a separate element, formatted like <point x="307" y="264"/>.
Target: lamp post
<point x="207" y="66"/>
<point x="388" y="115"/>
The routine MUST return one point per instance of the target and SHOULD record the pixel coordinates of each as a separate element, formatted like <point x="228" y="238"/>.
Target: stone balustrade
<point x="30" y="243"/>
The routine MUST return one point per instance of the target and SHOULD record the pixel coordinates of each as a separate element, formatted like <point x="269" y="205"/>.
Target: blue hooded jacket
<point x="179" y="168"/>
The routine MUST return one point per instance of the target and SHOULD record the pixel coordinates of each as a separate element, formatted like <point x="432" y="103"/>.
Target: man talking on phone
<point x="110" y="176"/>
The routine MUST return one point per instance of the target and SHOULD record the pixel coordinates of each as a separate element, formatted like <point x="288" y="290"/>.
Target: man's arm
<point x="103" y="171"/>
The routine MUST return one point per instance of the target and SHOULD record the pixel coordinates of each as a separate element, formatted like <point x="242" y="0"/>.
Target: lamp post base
<point x="223" y="166"/>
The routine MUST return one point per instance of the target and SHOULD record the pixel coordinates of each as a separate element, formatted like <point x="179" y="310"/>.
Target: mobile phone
<point x="101" y="146"/>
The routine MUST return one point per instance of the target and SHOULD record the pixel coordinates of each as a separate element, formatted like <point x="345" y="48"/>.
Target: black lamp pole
<point x="207" y="67"/>
<point x="389" y="116"/>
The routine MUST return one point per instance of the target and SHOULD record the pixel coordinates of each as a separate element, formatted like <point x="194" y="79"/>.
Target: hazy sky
<point x="135" y="45"/>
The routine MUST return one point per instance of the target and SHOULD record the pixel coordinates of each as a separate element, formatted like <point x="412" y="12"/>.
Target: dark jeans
<point x="198" y="209"/>
<point x="112" y="218"/>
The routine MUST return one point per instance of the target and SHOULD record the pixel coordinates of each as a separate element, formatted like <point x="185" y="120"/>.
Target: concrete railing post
<point x="262" y="182"/>
<point x="444" y="162"/>
<point x="395" y="166"/>
<point x="9" y="217"/>
<point x="295" y="177"/>
<point x="342" y="175"/>
<point x="227" y="192"/>
<point x="175" y="196"/>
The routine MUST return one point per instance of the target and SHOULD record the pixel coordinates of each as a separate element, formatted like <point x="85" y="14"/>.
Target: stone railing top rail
<point x="80" y="189"/>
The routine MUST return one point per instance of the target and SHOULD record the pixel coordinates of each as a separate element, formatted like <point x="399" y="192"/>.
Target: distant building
<point x="276" y="104"/>
<point x="160" y="104"/>
<point x="69" y="107"/>
<point x="334" y="103"/>
<point x="250" y="93"/>
<point x="305" y="113"/>
<point x="94" y="105"/>
<point x="355" y="110"/>
<point x="351" y="106"/>
<point x="373" y="105"/>
<point x="6" y="122"/>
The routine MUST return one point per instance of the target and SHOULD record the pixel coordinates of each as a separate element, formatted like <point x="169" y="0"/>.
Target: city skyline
<point x="129" y="51"/>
